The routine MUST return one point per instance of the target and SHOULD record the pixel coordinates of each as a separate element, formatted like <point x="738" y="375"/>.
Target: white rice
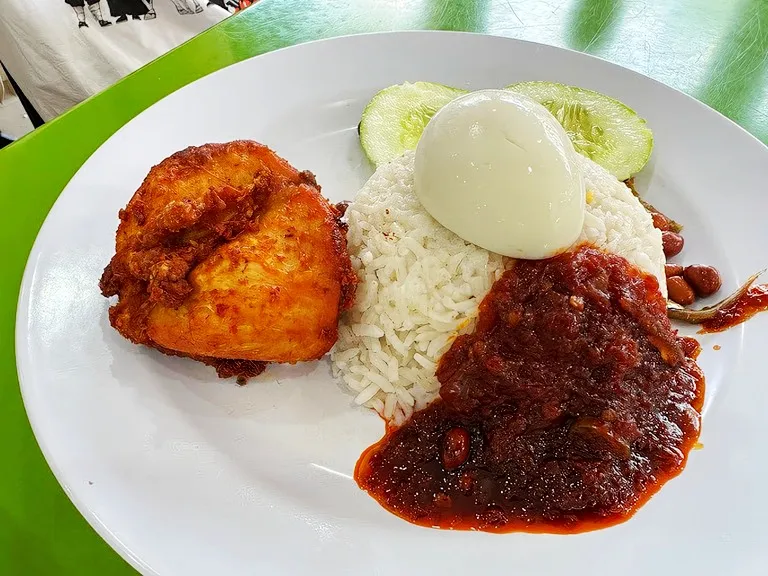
<point x="616" y="222"/>
<point x="420" y="284"/>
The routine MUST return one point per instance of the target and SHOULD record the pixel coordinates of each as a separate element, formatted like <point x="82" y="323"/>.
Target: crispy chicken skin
<point x="229" y="255"/>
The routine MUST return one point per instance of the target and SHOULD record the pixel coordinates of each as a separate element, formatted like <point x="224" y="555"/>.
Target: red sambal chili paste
<point x="572" y="403"/>
<point x="753" y="302"/>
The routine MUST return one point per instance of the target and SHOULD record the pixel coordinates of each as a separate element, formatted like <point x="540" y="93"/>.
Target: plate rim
<point x="23" y="304"/>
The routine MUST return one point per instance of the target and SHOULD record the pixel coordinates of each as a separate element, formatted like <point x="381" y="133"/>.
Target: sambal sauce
<point x="569" y="406"/>
<point x="755" y="300"/>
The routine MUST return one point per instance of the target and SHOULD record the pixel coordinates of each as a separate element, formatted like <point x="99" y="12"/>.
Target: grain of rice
<point x="377" y="404"/>
<point x="367" y="330"/>
<point x="367" y="394"/>
<point x="379" y="363"/>
<point x="404" y="396"/>
<point x="389" y="406"/>
<point x="425" y="363"/>
<point x="347" y="355"/>
<point x="380" y="381"/>
<point x="353" y="383"/>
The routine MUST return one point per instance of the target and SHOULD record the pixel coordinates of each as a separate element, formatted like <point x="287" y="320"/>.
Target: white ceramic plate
<point x="186" y="474"/>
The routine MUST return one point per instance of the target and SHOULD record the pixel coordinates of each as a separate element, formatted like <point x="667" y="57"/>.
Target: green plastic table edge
<point x="40" y="531"/>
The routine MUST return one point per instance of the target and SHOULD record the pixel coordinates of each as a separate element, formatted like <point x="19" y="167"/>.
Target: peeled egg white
<point x="497" y="169"/>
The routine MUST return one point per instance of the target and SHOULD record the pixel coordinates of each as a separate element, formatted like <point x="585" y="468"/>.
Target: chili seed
<point x="442" y="500"/>
<point x="576" y="302"/>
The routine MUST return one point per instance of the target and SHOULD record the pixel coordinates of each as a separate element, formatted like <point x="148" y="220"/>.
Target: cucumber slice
<point x="601" y="128"/>
<point x="395" y="117"/>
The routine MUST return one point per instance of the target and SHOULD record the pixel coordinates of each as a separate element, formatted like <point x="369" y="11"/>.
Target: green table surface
<point x="715" y="50"/>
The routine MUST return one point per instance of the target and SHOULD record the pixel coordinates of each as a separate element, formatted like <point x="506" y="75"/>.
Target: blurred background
<point x="62" y="51"/>
<point x="57" y="53"/>
<point x="14" y="121"/>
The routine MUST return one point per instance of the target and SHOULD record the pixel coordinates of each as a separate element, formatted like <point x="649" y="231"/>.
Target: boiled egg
<point x="498" y="170"/>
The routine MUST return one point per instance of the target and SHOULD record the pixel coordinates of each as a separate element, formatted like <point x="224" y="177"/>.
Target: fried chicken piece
<point x="228" y="255"/>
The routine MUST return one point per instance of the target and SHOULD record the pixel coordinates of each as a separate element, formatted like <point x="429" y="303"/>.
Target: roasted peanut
<point x="455" y="448"/>
<point x="705" y="280"/>
<point x="673" y="270"/>
<point x="679" y="291"/>
<point x="672" y="243"/>
<point x="660" y="221"/>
